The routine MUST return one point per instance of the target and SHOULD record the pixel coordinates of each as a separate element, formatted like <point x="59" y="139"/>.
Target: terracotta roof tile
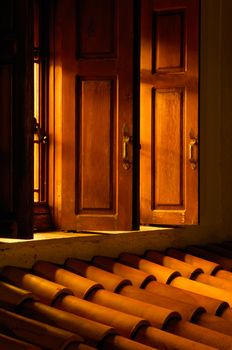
<point x="37" y="285"/>
<point x="93" y="331"/>
<point x="38" y="333"/>
<point x="9" y="343"/>
<point x="226" y="275"/>
<point x="10" y="295"/>
<point x="187" y="311"/>
<point x="156" y="315"/>
<point x="109" y="281"/>
<point x="212" y="305"/>
<point x="186" y="270"/>
<point x="162" y="274"/>
<point x="175" y="280"/>
<point x="127" y="325"/>
<point x="206" y="265"/>
<point x="80" y="287"/>
<point x="79" y="347"/>
<point x="215" y="281"/>
<point x="144" y="280"/>
<point x="225" y="262"/>
<point x="173" y="300"/>
<point x="138" y="278"/>
<point x="222" y="251"/>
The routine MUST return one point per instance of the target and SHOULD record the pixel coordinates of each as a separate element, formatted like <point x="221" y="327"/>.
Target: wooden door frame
<point x="136" y="117"/>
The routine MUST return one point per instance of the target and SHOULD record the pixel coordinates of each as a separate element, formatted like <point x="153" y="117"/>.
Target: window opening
<point x="41" y="60"/>
<point x="40" y="108"/>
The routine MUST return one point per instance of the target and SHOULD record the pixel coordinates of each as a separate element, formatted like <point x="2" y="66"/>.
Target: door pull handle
<point x="126" y="140"/>
<point x="193" y="156"/>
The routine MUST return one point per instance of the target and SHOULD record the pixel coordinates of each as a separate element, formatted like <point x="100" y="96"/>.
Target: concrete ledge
<point x="57" y="246"/>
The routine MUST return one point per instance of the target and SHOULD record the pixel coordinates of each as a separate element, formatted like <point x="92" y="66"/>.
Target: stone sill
<point x="58" y="246"/>
<point x="40" y="236"/>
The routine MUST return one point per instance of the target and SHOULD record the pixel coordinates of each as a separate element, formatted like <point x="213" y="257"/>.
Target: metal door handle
<point x="126" y="139"/>
<point x="193" y="160"/>
<point x="42" y="137"/>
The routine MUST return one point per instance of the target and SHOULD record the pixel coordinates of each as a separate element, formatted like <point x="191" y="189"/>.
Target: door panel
<point x="96" y="25"/>
<point x="95" y="48"/>
<point x="167" y="149"/>
<point x="16" y="132"/>
<point x="169" y="40"/>
<point x="96" y="138"/>
<point x="169" y="112"/>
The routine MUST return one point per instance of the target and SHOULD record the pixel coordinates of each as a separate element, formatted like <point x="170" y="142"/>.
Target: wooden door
<point x="94" y="56"/>
<point x="16" y="130"/>
<point x="169" y="112"/>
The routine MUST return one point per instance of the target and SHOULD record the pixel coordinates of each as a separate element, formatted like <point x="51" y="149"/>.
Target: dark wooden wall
<point x="16" y="111"/>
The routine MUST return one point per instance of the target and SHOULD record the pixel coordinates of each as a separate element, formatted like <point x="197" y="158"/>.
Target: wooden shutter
<point x="95" y="50"/>
<point x="16" y="131"/>
<point x="169" y="111"/>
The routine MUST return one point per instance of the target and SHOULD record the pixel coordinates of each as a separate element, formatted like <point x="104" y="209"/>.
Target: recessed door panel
<point x="169" y="40"/>
<point x="96" y="26"/>
<point x="95" y="146"/>
<point x="167" y="181"/>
